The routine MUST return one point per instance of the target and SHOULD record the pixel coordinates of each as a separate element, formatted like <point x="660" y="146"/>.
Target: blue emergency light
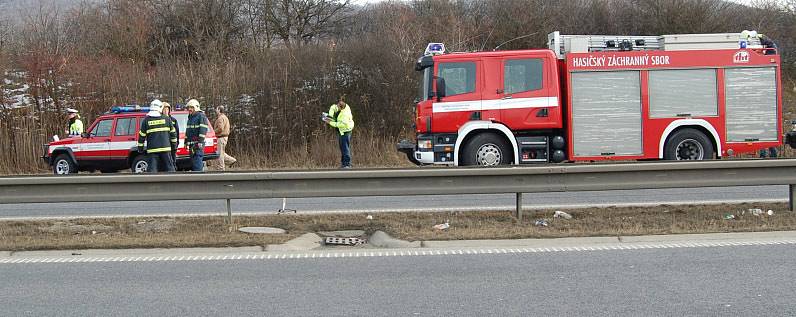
<point x="129" y="108"/>
<point x="435" y="49"/>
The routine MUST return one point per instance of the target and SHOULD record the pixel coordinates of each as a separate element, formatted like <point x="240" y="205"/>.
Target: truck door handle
<point x="542" y="113"/>
<point x="506" y="97"/>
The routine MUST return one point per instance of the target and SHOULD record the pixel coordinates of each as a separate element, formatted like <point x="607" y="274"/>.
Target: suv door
<point x="124" y="139"/>
<point x="95" y="149"/>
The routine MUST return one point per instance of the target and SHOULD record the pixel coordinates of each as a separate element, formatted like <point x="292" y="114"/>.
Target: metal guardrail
<point x="399" y="182"/>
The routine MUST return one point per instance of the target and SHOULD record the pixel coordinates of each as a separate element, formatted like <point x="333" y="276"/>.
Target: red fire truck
<point x="109" y="144"/>
<point x="595" y="97"/>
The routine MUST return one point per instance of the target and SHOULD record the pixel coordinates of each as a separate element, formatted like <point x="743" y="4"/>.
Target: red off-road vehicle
<point x="109" y="145"/>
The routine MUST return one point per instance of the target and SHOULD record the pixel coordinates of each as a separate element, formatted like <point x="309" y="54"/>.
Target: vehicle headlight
<point x="424" y="144"/>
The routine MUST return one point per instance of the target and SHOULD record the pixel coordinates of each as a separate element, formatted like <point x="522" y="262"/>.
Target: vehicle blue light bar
<point x="129" y="108"/>
<point x="435" y="49"/>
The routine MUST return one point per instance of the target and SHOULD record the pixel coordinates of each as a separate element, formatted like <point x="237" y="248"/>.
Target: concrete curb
<point x="518" y="242"/>
<point x="381" y="239"/>
<point x="141" y="252"/>
<point x="746" y="236"/>
<point x="307" y="241"/>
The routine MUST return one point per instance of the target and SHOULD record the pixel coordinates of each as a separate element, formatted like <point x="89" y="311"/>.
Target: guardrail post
<point x="518" y="211"/>
<point x="791" y="196"/>
<point x="229" y="212"/>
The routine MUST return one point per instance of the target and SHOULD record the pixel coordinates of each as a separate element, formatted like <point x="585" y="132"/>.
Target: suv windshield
<point x="182" y="121"/>
<point x="103" y="128"/>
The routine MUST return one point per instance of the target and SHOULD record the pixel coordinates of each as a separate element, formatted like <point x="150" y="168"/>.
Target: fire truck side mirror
<point x="440" y="88"/>
<point x="85" y="135"/>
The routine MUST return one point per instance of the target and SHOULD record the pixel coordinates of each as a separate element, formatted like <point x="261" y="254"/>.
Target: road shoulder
<point x="588" y="243"/>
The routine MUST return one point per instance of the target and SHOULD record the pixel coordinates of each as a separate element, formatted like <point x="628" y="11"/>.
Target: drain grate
<point x="344" y="241"/>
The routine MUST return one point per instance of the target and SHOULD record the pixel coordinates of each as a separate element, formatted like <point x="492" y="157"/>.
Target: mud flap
<point x="408" y="148"/>
<point x="790" y="139"/>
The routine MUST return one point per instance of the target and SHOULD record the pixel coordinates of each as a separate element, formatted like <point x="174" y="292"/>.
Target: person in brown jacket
<point x="222" y="127"/>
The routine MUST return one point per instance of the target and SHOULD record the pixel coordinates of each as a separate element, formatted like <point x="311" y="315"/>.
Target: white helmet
<point x="156" y="105"/>
<point x="193" y="103"/>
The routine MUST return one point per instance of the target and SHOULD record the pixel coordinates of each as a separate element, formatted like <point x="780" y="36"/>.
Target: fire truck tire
<point x="688" y="144"/>
<point x="139" y="165"/>
<point x="486" y="149"/>
<point x="64" y="165"/>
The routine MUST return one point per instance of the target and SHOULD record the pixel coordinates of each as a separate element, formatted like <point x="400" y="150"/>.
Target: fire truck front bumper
<point x="424" y="157"/>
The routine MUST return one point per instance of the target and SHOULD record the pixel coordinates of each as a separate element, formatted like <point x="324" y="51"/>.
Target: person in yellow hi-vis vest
<point x="75" y="124"/>
<point x="341" y="118"/>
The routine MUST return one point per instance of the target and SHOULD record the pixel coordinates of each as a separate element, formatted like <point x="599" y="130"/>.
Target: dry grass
<point x="212" y="232"/>
<point x="367" y="150"/>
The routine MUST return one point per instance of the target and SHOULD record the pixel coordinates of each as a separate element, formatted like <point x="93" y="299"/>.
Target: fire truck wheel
<point x="140" y="165"/>
<point x="63" y="165"/>
<point x="688" y="144"/>
<point x="486" y="149"/>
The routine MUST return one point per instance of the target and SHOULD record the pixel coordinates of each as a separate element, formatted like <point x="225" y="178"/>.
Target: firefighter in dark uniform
<point x="167" y="113"/>
<point x="161" y="138"/>
<point x="195" y="132"/>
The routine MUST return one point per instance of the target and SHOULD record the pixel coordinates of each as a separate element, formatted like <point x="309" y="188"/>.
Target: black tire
<point x="688" y="144"/>
<point x="486" y="149"/>
<point x="139" y="165"/>
<point x="63" y="165"/>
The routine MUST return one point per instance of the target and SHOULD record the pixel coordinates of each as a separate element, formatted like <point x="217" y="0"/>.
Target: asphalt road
<point x="701" y="281"/>
<point x="405" y="203"/>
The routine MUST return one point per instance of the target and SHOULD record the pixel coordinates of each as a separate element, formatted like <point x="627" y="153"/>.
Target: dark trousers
<point x="345" y="149"/>
<point x="160" y="162"/>
<point x="197" y="159"/>
<point x="772" y="152"/>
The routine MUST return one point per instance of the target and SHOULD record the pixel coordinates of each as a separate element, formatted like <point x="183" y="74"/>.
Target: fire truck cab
<point x="595" y="97"/>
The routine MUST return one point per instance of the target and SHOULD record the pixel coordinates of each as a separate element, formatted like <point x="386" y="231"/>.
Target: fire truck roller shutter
<point x="471" y="128"/>
<point x="751" y="104"/>
<point x="683" y="93"/>
<point x="606" y="113"/>
<point x="697" y="124"/>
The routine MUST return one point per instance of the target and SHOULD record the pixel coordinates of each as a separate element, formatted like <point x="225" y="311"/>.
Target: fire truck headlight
<point x="424" y="144"/>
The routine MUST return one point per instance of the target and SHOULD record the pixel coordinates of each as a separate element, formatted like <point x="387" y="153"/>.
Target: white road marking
<point x="391" y="253"/>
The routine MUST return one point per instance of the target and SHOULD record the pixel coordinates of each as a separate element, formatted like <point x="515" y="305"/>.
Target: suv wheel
<point x="63" y="165"/>
<point x="140" y="165"/>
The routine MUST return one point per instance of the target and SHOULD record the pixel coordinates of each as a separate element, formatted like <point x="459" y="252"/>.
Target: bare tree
<point x="302" y="21"/>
